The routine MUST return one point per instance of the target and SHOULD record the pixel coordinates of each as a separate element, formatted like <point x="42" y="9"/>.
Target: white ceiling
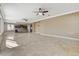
<point x="15" y="12"/>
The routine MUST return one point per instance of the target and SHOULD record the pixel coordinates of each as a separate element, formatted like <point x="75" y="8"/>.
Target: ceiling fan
<point x="41" y="11"/>
<point x="25" y="19"/>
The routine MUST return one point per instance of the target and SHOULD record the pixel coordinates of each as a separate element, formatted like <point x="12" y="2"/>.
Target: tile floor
<point x="31" y="44"/>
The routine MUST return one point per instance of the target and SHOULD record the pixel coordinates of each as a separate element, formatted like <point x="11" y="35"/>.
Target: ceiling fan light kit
<point x="41" y="11"/>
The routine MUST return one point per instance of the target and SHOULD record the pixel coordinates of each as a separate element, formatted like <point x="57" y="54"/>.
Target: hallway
<point x="31" y="44"/>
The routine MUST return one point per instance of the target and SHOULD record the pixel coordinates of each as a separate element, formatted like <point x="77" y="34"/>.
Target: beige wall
<point x="0" y="25"/>
<point x="63" y="25"/>
<point x="33" y="27"/>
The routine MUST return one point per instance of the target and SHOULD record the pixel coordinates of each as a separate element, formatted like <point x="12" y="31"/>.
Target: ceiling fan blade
<point x="36" y="11"/>
<point x="25" y="19"/>
<point x="45" y="11"/>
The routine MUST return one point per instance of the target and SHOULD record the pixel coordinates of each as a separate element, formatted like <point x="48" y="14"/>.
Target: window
<point x="10" y="27"/>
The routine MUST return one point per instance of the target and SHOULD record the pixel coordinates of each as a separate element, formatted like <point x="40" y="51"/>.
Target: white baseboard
<point x="59" y="36"/>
